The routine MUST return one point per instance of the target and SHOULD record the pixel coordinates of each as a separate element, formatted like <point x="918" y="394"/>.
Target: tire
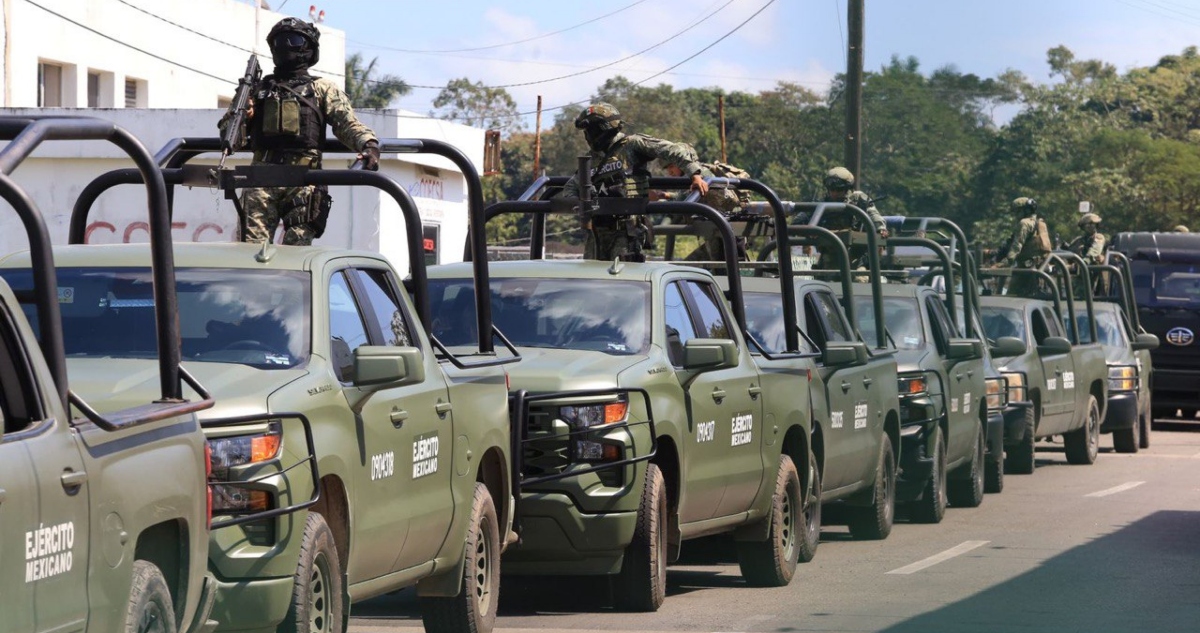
<point x="968" y="492"/>
<point x="1021" y="459"/>
<point x="1128" y="440"/>
<point x="993" y="475"/>
<point x="931" y="507"/>
<point x="772" y="563"/>
<point x="473" y="610"/>
<point x="874" y="522"/>
<point x="150" y="609"/>
<point x="1147" y="423"/>
<point x="642" y="583"/>
<point x="1083" y="444"/>
<point x="810" y="534"/>
<point x="317" y="591"/>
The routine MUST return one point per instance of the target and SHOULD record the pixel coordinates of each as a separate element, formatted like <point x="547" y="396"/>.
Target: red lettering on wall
<point x="133" y="227"/>
<point x="87" y="234"/>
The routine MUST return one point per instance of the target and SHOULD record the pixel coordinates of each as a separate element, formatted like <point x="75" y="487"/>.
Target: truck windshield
<point x="764" y="319"/>
<point x="1107" y="326"/>
<point x="999" y="322"/>
<point x="901" y="316"/>
<point x="580" y="314"/>
<point x="1167" y="285"/>
<point x="248" y="317"/>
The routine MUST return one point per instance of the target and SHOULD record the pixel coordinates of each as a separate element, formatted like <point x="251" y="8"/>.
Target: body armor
<point x="289" y="116"/>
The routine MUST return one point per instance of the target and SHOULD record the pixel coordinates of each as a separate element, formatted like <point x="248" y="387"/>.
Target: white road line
<point x="1115" y="489"/>
<point x="957" y="550"/>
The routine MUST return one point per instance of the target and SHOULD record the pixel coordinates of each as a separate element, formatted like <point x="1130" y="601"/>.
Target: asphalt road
<point x="1110" y="547"/>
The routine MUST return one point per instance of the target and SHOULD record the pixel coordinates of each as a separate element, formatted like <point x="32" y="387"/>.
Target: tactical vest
<point x="618" y="177"/>
<point x="287" y="115"/>
<point x="1037" y="246"/>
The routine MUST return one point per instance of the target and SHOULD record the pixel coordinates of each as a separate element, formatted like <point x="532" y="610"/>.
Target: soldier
<point x="1092" y="245"/>
<point x="839" y="187"/>
<point x="620" y="169"/>
<point x="724" y="199"/>
<point x="289" y="111"/>
<point x="1029" y="246"/>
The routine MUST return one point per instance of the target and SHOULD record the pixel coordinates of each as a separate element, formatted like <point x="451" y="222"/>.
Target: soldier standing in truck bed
<point x="1028" y="248"/>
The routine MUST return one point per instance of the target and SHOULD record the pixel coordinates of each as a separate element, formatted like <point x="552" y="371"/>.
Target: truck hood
<point x="548" y="370"/>
<point x="237" y="389"/>
<point x="910" y="360"/>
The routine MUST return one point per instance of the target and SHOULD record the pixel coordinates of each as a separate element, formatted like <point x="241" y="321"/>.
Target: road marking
<point x="1115" y="489"/>
<point x="957" y="550"/>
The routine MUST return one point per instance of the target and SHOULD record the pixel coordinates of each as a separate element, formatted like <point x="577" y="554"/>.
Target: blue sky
<point x="794" y="40"/>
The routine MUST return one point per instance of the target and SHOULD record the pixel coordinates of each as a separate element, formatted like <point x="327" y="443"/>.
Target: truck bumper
<point x="557" y="539"/>
<point x="1122" y="411"/>
<point x="252" y="605"/>
<point x="200" y="621"/>
<point x="995" y="436"/>
<point x="1014" y="422"/>
<point x="916" y="464"/>
<point x="1176" y="388"/>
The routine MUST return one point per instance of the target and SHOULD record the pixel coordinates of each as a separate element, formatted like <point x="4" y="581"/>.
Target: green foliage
<point x="478" y="105"/>
<point x="367" y="91"/>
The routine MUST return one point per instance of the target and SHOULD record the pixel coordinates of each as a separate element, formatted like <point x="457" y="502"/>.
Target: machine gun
<point x="234" y="134"/>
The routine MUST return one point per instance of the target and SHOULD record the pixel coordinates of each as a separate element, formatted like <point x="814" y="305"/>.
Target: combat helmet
<point x="599" y="122"/>
<point x="1179" y="228"/>
<point x="1088" y="218"/>
<point x="839" y="179"/>
<point x="310" y="50"/>
<point x="1024" y="205"/>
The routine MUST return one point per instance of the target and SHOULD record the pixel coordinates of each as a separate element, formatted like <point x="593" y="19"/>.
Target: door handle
<point x="755" y="391"/>
<point x="867" y="382"/>
<point x="718" y="395"/>
<point x="3" y="496"/>
<point x="73" y="479"/>
<point x="443" y="408"/>
<point x="1058" y="371"/>
<point x="970" y="373"/>
<point x="958" y="376"/>
<point x="845" y="386"/>
<point x="398" y="417"/>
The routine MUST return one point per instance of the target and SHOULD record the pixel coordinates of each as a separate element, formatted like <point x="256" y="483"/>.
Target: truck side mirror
<point x="1053" y="346"/>
<point x="845" y="353"/>
<point x="709" y="354"/>
<point x="378" y="367"/>
<point x="1007" y="346"/>
<point x="1144" y="341"/>
<point x="964" y="349"/>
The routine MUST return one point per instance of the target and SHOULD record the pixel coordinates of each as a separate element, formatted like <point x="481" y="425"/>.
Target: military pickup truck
<point x="413" y="447"/>
<point x="728" y="451"/>
<point x="1058" y="385"/>
<point x="88" y="541"/>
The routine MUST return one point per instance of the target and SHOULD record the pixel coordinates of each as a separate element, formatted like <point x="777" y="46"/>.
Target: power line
<point x="837" y="8"/>
<point x="493" y="46"/>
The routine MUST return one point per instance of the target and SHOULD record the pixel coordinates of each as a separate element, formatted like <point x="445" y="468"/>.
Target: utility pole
<point x="537" y="141"/>
<point x="721" y="115"/>
<point x="854" y="81"/>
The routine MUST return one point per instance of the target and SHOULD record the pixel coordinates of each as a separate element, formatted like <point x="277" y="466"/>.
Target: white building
<point x="168" y="68"/>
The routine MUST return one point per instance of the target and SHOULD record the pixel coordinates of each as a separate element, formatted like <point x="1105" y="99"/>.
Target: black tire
<point x="810" y="534"/>
<point x="1021" y="459"/>
<point x="772" y="563"/>
<point x="1128" y="440"/>
<point x="1083" y="444"/>
<point x="874" y="522"/>
<point x="473" y="610"/>
<point x="317" y="591"/>
<point x="150" y="609"/>
<point x="993" y="474"/>
<point x="642" y="583"/>
<point x="931" y="507"/>
<point x="967" y="492"/>
<point x="1147" y="423"/>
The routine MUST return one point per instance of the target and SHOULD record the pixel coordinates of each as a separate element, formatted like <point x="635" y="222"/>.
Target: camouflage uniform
<point x="1092" y="246"/>
<point x="1028" y="248"/>
<point x="844" y="223"/>
<point x="724" y="199"/>
<point x="623" y="172"/>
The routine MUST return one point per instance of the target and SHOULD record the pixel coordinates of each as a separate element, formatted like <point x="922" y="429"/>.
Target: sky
<point x="563" y="50"/>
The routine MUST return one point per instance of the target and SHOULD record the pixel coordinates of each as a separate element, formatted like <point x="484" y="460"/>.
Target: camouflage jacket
<point x="844" y="220"/>
<point x="624" y="170"/>
<point x="1025" y="247"/>
<point x="338" y="114"/>
<point x="1090" y="247"/>
<point x="721" y="198"/>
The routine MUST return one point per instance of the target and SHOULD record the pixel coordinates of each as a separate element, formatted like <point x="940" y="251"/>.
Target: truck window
<point x="385" y="308"/>
<point x="902" y="316"/>
<point x="939" y="322"/>
<point x="829" y="314"/>
<point x="19" y="406"/>
<point x="680" y="329"/>
<point x="764" y="319"/>
<point x="999" y="322"/>
<point x="712" y="320"/>
<point x="1053" y="327"/>
<point x="346" y="329"/>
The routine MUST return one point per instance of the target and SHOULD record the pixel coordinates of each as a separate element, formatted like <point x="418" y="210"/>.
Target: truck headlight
<point x="589" y="415"/>
<point x="1016" y="386"/>
<point x="1122" y="378"/>
<point x="911" y="384"/>
<point x="997" y="393"/>
<point x="240" y="450"/>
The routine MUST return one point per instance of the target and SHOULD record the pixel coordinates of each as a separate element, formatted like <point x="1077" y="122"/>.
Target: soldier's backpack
<point x="1041" y="237"/>
<point x="725" y="170"/>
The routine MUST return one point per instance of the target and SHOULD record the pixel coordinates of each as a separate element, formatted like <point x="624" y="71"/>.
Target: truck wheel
<point x="317" y="591"/>
<point x="874" y="522"/>
<point x="150" y="609"/>
<point x="810" y="533"/>
<point x="931" y="507"/>
<point x="1146" y="423"/>
<point x="642" y="583"/>
<point x="1128" y="440"/>
<point x="772" y="563"/>
<point x="968" y="492"/>
<point x="993" y="475"/>
<point x="1020" y="460"/>
<point x="473" y="610"/>
<point x="1083" y="444"/>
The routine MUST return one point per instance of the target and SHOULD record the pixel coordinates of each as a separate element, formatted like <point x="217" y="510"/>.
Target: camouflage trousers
<point x="606" y="243"/>
<point x="264" y="208"/>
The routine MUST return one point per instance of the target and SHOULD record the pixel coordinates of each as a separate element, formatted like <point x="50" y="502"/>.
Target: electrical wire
<point x="494" y="46"/>
<point x="180" y="26"/>
<point x="837" y="8"/>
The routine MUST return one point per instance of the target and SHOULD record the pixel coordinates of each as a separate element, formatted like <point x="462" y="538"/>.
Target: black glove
<point x="370" y="155"/>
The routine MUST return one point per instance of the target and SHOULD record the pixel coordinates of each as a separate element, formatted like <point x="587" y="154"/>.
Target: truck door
<point x="964" y="380"/>
<point x="852" y="431"/>
<point x="724" y="460"/>
<point x="1058" y="402"/>
<point x="44" y="506"/>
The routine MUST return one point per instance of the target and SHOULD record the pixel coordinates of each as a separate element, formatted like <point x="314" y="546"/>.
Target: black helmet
<point x="294" y="42"/>
<point x="600" y="122"/>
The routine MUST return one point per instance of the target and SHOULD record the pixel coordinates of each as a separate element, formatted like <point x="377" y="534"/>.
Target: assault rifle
<point x="234" y="134"/>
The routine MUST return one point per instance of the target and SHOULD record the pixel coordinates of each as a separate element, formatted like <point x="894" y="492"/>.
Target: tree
<point x="478" y="105"/>
<point x="368" y="92"/>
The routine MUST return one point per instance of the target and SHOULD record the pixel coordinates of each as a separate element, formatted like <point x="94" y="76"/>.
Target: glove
<point x="370" y="155"/>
